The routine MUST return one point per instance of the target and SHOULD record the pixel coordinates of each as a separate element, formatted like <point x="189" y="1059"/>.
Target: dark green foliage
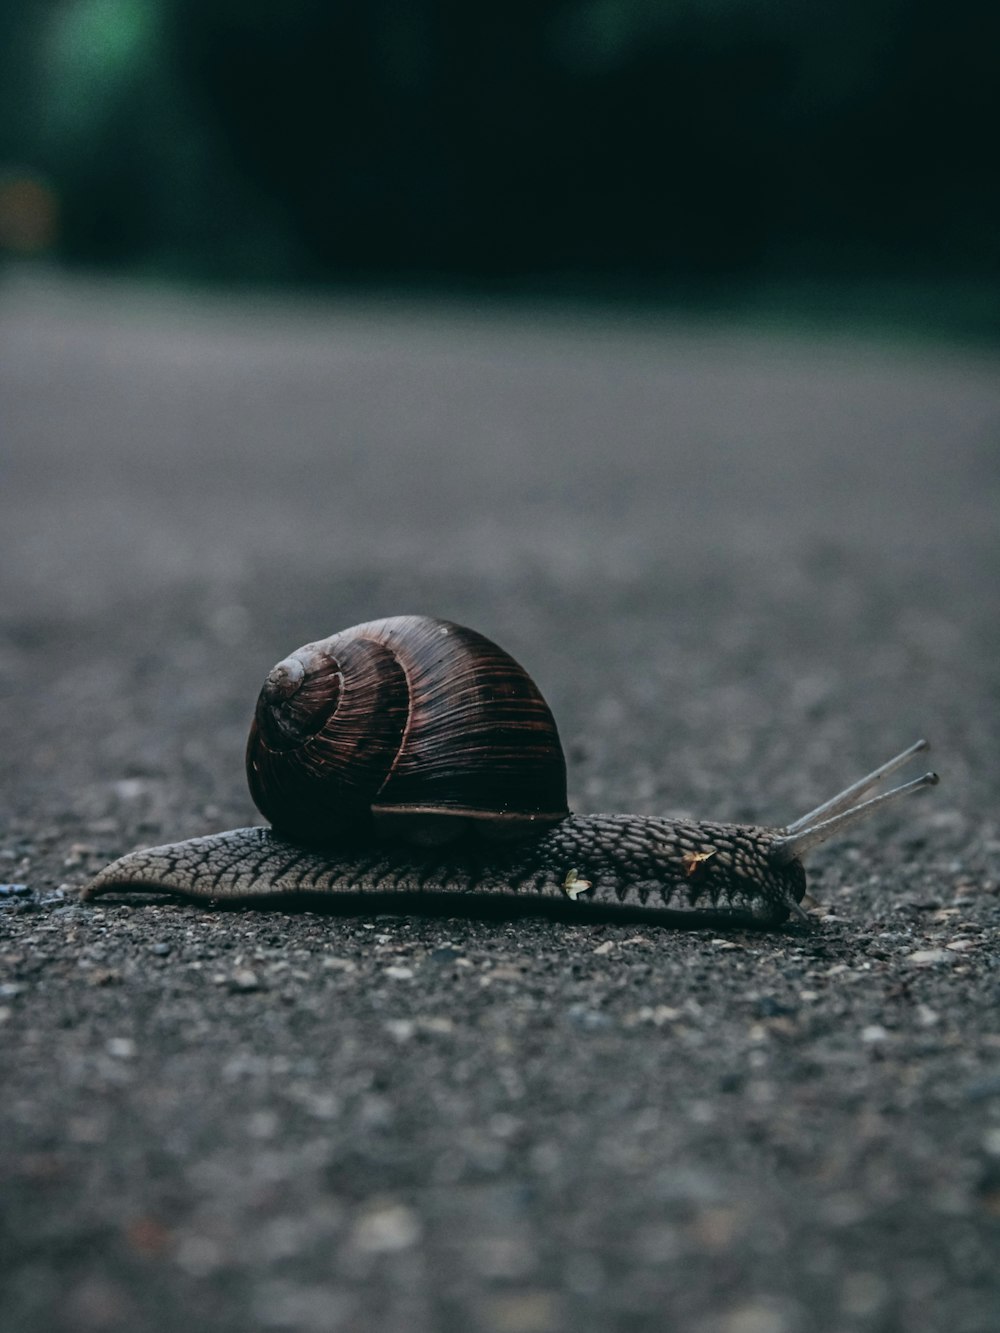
<point x="682" y="145"/>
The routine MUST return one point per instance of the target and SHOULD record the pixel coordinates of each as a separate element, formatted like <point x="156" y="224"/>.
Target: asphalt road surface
<point x="744" y="568"/>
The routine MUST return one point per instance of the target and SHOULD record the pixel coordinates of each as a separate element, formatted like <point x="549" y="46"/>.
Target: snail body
<point x="412" y="756"/>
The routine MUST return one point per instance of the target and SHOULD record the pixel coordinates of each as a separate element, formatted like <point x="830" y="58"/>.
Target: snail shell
<point x="420" y="727"/>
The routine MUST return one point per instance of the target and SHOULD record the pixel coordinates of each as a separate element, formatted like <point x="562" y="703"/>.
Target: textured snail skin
<point x="715" y="873"/>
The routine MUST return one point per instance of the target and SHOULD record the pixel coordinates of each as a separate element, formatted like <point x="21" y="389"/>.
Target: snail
<point x="413" y="756"/>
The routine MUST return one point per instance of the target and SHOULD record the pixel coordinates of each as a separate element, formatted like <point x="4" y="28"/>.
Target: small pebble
<point x="339" y="965"/>
<point x="926" y="956"/>
<point x="658" y="1014"/>
<point x="401" y="1029"/>
<point x="14" y="891"/>
<point x="387" y="1229"/>
<point x="244" y="980"/>
<point x="591" y="1020"/>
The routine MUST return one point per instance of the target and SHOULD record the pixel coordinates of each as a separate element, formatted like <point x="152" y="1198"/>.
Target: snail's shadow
<point x="482" y="907"/>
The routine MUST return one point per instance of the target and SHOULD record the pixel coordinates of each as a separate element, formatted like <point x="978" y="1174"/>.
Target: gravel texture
<point x="744" y="569"/>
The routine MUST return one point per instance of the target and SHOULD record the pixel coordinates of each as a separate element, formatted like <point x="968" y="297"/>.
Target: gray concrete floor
<point x="744" y="569"/>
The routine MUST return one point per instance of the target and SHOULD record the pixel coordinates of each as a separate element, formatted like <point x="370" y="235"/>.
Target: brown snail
<point x="413" y="756"/>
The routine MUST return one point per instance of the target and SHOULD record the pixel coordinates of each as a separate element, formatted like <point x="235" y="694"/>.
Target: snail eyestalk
<point x="845" y="799"/>
<point x="803" y="840"/>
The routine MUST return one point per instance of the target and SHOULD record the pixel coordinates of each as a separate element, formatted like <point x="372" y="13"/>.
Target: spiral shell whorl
<point x="416" y="723"/>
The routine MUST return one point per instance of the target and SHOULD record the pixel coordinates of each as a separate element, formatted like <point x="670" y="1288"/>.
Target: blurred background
<point x="835" y="159"/>
<point x="657" y="341"/>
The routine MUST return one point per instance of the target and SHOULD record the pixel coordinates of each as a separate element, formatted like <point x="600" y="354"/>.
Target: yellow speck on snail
<point x="693" y="861"/>
<point x="573" y="886"/>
